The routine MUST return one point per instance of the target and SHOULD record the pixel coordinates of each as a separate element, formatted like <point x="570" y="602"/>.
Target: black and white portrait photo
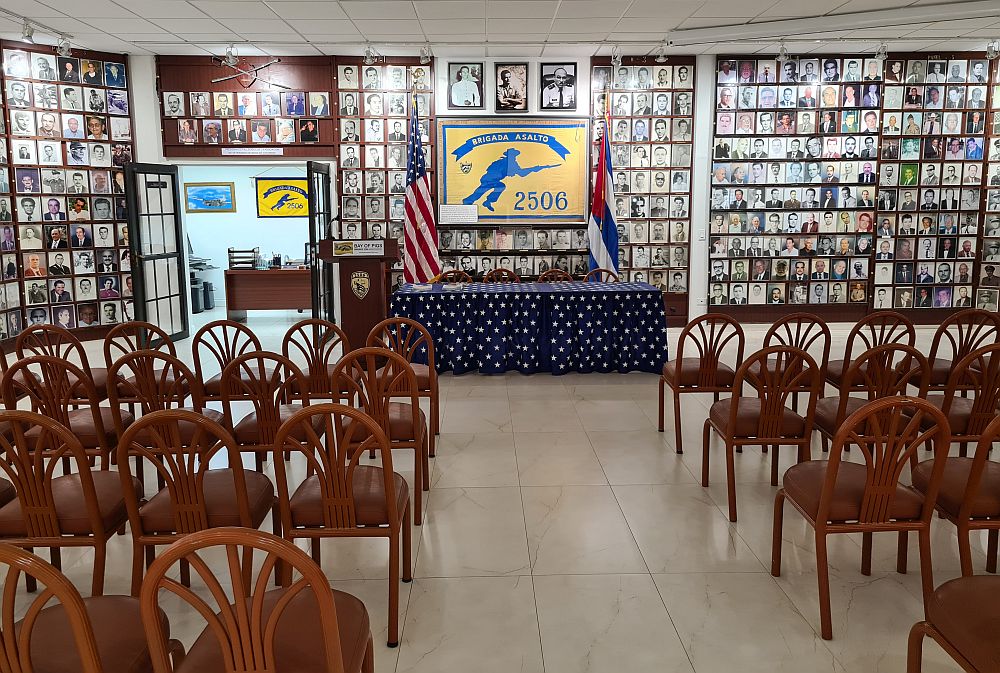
<point x="465" y="86"/>
<point x="558" y="86"/>
<point x="512" y="87"/>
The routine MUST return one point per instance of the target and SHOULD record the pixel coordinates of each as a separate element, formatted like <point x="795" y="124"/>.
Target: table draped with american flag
<point x="540" y="327"/>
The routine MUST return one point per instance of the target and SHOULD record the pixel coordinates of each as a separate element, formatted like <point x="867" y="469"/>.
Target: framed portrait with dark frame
<point x="512" y="87"/>
<point x="558" y="86"/>
<point x="465" y="86"/>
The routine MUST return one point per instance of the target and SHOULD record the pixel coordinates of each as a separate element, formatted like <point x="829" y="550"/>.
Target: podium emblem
<point x="361" y="282"/>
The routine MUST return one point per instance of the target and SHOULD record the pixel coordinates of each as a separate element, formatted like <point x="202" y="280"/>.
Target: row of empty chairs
<point x="508" y="276"/>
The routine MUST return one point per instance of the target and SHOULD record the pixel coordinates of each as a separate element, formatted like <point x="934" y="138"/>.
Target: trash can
<point x="209" y="295"/>
<point x="197" y="293"/>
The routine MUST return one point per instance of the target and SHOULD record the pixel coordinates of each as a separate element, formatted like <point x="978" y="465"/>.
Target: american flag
<point x="421" y="262"/>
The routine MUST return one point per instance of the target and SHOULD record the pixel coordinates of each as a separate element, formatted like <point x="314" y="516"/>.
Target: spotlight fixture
<point x="782" y="53"/>
<point x="882" y="53"/>
<point x="232" y="56"/>
<point x="63" y="47"/>
<point x="993" y="50"/>
<point x="426" y="55"/>
<point x="28" y="33"/>
<point x="616" y="56"/>
<point x="661" y="55"/>
<point x="371" y="55"/>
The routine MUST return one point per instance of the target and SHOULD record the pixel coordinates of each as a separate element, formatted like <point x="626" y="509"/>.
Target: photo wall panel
<point x="988" y="287"/>
<point x="67" y="133"/>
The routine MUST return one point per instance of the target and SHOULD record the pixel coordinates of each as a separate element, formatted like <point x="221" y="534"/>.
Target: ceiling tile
<point x="258" y="26"/>
<point x="451" y="9"/>
<point x="568" y="50"/>
<point x="163" y="9"/>
<point x="388" y="26"/>
<point x="629" y="25"/>
<point x="319" y="26"/>
<point x="870" y="5"/>
<point x="654" y="38"/>
<point x="341" y="50"/>
<point x="124" y="26"/>
<point x="522" y="9"/>
<point x="527" y="38"/>
<point x="176" y="49"/>
<point x="514" y="51"/>
<point x="583" y="9"/>
<point x="386" y="40"/>
<point x="599" y="36"/>
<point x="242" y="9"/>
<point x="453" y="27"/>
<point x="221" y="36"/>
<point x="515" y="26"/>
<point x="188" y="26"/>
<point x="311" y="9"/>
<point x="66" y="23"/>
<point x="93" y="8"/>
<point x="460" y="52"/>
<point x="378" y="9"/>
<point x="220" y="49"/>
<point x="701" y="22"/>
<point x="300" y="49"/>
<point x="583" y="25"/>
<point x="32" y="9"/>
<point x="658" y="8"/>
<point x="744" y="8"/>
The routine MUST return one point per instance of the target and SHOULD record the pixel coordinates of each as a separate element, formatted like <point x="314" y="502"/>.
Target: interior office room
<point x="560" y="336"/>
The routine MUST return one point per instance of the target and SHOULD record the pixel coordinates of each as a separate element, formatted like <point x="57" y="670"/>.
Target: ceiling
<point x="518" y="28"/>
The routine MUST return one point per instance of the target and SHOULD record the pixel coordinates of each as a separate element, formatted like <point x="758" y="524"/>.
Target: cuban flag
<point x="602" y="232"/>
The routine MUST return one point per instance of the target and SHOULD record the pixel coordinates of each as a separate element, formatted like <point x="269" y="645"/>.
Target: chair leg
<point x="426" y="485"/>
<point x="915" y="648"/>
<point x="100" y="559"/>
<point x="774" y="465"/>
<point x="678" y="439"/>
<point x="866" y="554"/>
<point x="368" y="664"/>
<point x="779" y="516"/>
<point x="823" y="578"/>
<point x="276" y="529"/>
<point x="704" y="454"/>
<point x="731" y="479"/>
<point x="137" y="554"/>
<point x="660" y="426"/>
<point x="55" y="556"/>
<point x="407" y="544"/>
<point x="418" y="491"/>
<point x="991" y="550"/>
<point x="926" y="566"/>
<point x="393" y="590"/>
<point x="965" y="551"/>
<point x="29" y="580"/>
<point x="185" y="573"/>
<point x="314" y="550"/>
<point x="963" y="449"/>
<point x="902" y="541"/>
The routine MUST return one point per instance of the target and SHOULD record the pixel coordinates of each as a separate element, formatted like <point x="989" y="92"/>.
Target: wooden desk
<point x="266" y="290"/>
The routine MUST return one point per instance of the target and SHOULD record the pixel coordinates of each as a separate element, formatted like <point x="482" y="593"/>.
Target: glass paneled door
<point x="154" y="226"/>
<point x="320" y="228"/>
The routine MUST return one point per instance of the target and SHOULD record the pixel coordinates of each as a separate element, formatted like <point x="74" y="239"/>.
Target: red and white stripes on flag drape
<point x="421" y="242"/>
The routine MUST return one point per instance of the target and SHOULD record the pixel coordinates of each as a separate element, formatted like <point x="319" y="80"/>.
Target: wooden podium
<point x="364" y="282"/>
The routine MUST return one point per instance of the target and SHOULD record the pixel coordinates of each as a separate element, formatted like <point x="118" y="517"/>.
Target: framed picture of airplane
<point x="209" y="197"/>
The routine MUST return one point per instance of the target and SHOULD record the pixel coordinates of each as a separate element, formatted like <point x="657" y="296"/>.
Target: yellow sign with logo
<point x="282" y="197"/>
<point x="515" y="169"/>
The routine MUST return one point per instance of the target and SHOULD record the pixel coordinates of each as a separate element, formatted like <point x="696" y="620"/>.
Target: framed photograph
<point x="114" y="74"/>
<point x="209" y="197"/>
<point x="465" y="86"/>
<point x="173" y="102"/>
<point x="512" y="87"/>
<point x="558" y="86"/>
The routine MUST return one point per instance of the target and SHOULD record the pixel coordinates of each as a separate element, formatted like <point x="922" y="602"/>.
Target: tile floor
<point x="564" y="534"/>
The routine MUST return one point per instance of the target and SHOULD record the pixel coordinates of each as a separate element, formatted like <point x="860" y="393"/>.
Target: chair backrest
<point x="318" y="344"/>
<point x="880" y="328"/>
<point x="775" y="373"/>
<point x="889" y="435"/>
<point x="15" y="642"/>
<point x="555" y="276"/>
<point x="374" y="377"/>
<point x="53" y="341"/>
<point x="501" y="276"/>
<point x="266" y="380"/>
<point x="32" y="451"/>
<point x="221" y="342"/>
<point x="963" y="332"/>
<point x="976" y="375"/>
<point x="407" y="337"/>
<point x="801" y="330"/>
<point x="332" y="438"/>
<point x="454" y="276"/>
<point x="135" y="335"/>
<point x="887" y="371"/>
<point x="602" y="276"/>
<point x="180" y="444"/>
<point x="984" y="449"/>
<point x="238" y="620"/>
<point x="705" y="338"/>
<point x="155" y="380"/>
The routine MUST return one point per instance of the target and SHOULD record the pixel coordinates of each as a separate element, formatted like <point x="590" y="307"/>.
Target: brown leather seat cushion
<point x="953" y="483"/>
<point x="81" y="422"/>
<point x="724" y="374"/>
<point x="99" y="375"/>
<point x="958" y="416"/>
<point x="747" y="415"/>
<point x="804" y="482"/>
<point x="941" y="370"/>
<point x="117" y="625"/>
<point x="835" y="371"/>
<point x="967" y="613"/>
<point x="220" y="502"/>
<point x="369" y="498"/>
<point x="67" y="494"/>
<point x="248" y="432"/>
<point x="826" y="412"/>
<point x="213" y="386"/>
<point x="422" y="374"/>
<point x="298" y="636"/>
<point x="187" y="430"/>
<point x="400" y="423"/>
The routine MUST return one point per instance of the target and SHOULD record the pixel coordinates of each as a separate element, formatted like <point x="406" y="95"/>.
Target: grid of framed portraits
<point x="68" y="134"/>
<point x="988" y="292"/>
<point x="512" y="86"/>
<point x="527" y="251"/>
<point x="373" y="104"/>
<point x="931" y="181"/>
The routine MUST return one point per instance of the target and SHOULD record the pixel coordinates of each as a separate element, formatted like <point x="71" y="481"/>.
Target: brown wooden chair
<point x="837" y="496"/>
<point x="61" y="343"/>
<point x="875" y="329"/>
<point x="602" y="276"/>
<point x="64" y="392"/>
<point x="376" y="377"/>
<point x="804" y="331"/>
<point x="82" y="509"/>
<point x="555" y="276"/>
<point x="883" y="371"/>
<point x="276" y="389"/>
<point x="413" y="341"/>
<point x="454" y="276"/>
<point x="501" y="276"/>
<point x="99" y="634"/>
<point x="962" y="617"/>
<point x="179" y="445"/>
<point x="129" y="337"/>
<point x="219" y="343"/>
<point x="341" y="498"/>
<point x="764" y="419"/>
<point x="304" y="627"/>
<point x="316" y="345"/>
<point x="959" y="335"/>
<point x="698" y="366"/>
